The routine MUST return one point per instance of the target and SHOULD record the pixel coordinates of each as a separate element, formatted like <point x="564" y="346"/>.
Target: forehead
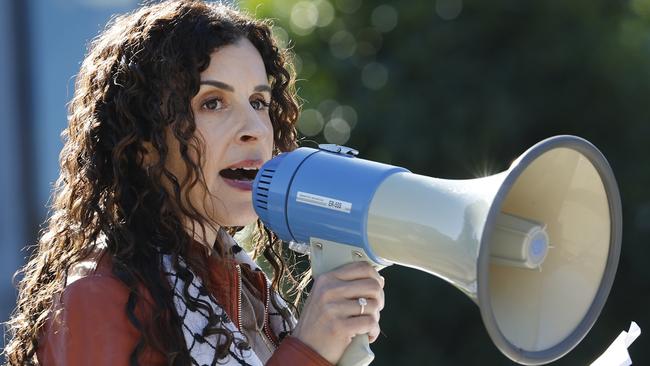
<point x="236" y="64"/>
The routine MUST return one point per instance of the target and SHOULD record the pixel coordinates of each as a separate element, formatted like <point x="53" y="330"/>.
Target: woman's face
<point x="232" y="119"/>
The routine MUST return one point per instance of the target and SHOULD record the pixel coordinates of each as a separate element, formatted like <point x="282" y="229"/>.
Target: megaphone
<point x="536" y="246"/>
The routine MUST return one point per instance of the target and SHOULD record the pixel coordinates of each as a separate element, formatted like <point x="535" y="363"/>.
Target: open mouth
<point x="240" y="174"/>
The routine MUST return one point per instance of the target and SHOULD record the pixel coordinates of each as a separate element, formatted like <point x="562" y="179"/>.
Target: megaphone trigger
<point x="326" y="255"/>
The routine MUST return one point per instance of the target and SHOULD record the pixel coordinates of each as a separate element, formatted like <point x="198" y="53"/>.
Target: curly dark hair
<point x="135" y="83"/>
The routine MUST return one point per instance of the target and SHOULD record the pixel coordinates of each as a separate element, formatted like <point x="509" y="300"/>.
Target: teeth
<point x="251" y="168"/>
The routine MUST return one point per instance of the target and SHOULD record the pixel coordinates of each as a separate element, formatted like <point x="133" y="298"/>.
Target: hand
<point x="331" y="316"/>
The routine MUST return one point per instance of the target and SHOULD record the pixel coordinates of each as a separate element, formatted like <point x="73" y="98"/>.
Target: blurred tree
<point x="458" y="89"/>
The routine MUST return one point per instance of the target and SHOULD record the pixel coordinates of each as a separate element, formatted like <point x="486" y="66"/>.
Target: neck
<point x="207" y="237"/>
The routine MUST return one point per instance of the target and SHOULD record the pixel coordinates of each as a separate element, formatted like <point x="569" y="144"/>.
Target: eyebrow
<point x="230" y="88"/>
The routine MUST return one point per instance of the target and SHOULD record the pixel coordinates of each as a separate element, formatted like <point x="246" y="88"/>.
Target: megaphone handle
<point x="358" y="352"/>
<point x="325" y="256"/>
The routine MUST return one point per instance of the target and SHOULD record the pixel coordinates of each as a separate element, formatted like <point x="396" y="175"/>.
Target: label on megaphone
<point x="324" y="202"/>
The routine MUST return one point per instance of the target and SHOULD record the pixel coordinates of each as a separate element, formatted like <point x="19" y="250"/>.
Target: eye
<point x="259" y="104"/>
<point x="212" y="104"/>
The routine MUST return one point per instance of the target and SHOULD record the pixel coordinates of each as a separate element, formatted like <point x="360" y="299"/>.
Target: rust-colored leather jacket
<point x="88" y="324"/>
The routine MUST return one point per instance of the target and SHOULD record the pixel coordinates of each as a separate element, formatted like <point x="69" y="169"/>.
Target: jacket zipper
<point x="239" y="289"/>
<point x="266" y="313"/>
<point x="266" y="334"/>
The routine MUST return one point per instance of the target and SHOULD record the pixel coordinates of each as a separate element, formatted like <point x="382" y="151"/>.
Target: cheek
<point x="270" y="135"/>
<point x="212" y="161"/>
<point x="214" y="137"/>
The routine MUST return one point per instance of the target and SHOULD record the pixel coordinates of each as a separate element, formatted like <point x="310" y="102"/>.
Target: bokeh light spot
<point x="641" y="7"/>
<point x="374" y="75"/>
<point x="347" y="113"/>
<point x="337" y="131"/>
<point x="304" y="17"/>
<point x="310" y="122"/>
<point x="384" y="18"/>
<point x="348" y="6"/>
<point x="325" y="13"/>
<point x="327" y="106"/>
<point x="449" y="9"/>
<point x="369" y="41"/>
<point x="281" y="36"/>
<point x="342" y="44"/>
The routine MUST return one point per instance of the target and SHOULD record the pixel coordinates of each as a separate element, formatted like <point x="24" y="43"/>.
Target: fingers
<point x="362" y="325"/>
<point x="358" y="279"/>
<point x="356" y="271"/>
<point x="332" y="289"/>
<point x="372" y="336"/>
<point x="367" y="288"/>
<point x="332" y="310"/>
<point x="351" y="308"/>
<point x="350" y="321"/>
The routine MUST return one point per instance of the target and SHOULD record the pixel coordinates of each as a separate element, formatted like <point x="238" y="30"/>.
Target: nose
<point x="253" y="127"/>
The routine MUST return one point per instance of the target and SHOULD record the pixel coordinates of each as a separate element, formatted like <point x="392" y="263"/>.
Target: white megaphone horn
<point x="535" y="246"/>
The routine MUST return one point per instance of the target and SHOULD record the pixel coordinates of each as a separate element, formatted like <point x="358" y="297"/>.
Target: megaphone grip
<point x="325" y="256"/>
<point x="358" y="352"/>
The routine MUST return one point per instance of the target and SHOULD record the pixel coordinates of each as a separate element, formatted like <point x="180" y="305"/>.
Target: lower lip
<point x="243" y="185"/>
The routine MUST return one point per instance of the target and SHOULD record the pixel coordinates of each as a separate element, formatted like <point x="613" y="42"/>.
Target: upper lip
<point x="248" y="163"/>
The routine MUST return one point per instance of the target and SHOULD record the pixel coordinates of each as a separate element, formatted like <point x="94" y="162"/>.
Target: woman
<point x="176" y="106"/>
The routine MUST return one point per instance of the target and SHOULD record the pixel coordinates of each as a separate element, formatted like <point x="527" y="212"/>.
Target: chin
<point x="240" y="217"/>
<point x="244" y="222"/>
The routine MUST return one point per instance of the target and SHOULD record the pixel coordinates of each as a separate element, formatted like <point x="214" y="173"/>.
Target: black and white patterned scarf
<point x="203" y="349"/>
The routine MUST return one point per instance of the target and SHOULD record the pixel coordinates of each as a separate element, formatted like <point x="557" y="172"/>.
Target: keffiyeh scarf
<point x="203" y="349"/>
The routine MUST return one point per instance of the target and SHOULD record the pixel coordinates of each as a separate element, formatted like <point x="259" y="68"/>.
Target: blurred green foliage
<point x="458" y="89"/>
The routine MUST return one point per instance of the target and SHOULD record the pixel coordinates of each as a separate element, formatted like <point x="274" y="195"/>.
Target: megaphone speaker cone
<point x="536" y="246"/>
<point x="537" y="316"/>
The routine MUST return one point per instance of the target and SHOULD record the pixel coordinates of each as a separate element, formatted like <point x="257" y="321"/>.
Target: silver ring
<point x="362" y="302"/>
